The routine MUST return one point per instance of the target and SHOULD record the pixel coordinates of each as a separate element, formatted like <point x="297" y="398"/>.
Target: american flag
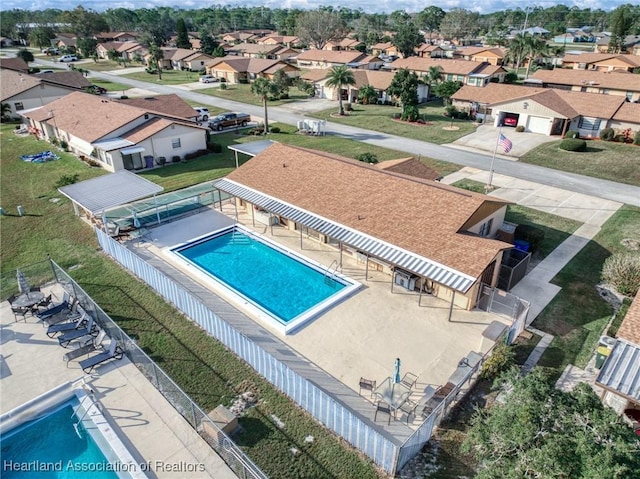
<point x="505" y="143"/>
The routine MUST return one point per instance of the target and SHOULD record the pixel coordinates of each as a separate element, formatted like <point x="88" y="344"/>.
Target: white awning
<point x="132" y="150"/>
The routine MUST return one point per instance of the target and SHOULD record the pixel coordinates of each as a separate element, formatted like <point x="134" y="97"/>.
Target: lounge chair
<point x="64" y="327"/>
<point x="89" y="330"/>
<point x="94" y="345"/>
<point x="56" y="308"/>
<point x="114" y="352"/>
<point x="70" y="314"/>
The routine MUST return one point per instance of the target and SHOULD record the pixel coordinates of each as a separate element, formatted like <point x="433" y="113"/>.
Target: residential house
<point x="67" y="43"/>
<point x="23" y="92"/>
<point x="113" y="133"/>
<point x="329" y="58"/>
<point x="386" y="49"/>
<point x="171" y="105"/>
<point x="603" y="62"/>
<point x="427" y="50"/>
<point x="166" y="62"/>
<point x="577" y="36"/>
<point x="290" y="41"/>
<point x="535" y="31"/>
<point x="253" y="50"/>
<point x="619" y="376"/>
<point x="5" y="42"/>
<point x="492" y="56"/>
<point x="545" y="110"/>
<point x="285" y="53"/>
<point x="410" y="167"/>
<point x="106" y="37"/>
<point x="125" y="50"/>
<point x="239" y="37"/>
<point x="590" y="81"/>
<point x="627" y="116"/>
<point x="243" y="70"/>
<point x="464" y="71"/>
<point x="436" y="236"/>
<point x="346" y="44"/>
<point x="184" y="59"/>
<point x="14" y="63"/>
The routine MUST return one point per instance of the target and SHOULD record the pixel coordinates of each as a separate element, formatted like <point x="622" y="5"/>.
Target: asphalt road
<point x="610" y="190"/>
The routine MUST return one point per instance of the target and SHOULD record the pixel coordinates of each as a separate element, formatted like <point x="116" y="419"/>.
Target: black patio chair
<point x="12" y="298"/>
<point x="385" y="408"/>
<point x="367" y="385"/>
<point x="409" y="407"/>
<point x="19" y="311"/>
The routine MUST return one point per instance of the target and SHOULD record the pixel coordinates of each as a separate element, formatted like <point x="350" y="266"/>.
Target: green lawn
<point x="603" y="159"/>
<point x="110" y="86"/>
<point x="242" y="92"/>
<point x="169" y="77"/>
<point x="578" y="315"/>
<point x="379" y="118"/>
<point x="202" y="367"/>
<point x="107" y="65"/>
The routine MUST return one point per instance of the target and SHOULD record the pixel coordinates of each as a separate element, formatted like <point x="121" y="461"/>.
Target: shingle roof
<point x="249" y="65"/>
<point x="316" y="74"/>
<point x="12" y="83"/>
<point x="628" y="112"/>
<point x="331" y="56"/>
<point x="630" y="327"/>
<point x="599" y="57"/>
<point x="17" y="64"/>
<point x="473" y="51"/>
<point x="493" y="93"/>
<point x="410" y="167"/>
<point x="613" y="80"/>
<point x="456" y="67"/>
<point x="255" y="48"/>
<point x="69" y="79"/>
<point x="421" y="216"/>
<point x="170" y="104"/>
<point x="146" y="130"/>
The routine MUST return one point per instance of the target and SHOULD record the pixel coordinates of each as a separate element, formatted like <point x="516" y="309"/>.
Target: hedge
<point x="573" y="144"/>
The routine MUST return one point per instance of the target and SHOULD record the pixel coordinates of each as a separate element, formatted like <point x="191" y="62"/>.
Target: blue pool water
<point x="278" y="283"/>
<point x="51" y="442"/>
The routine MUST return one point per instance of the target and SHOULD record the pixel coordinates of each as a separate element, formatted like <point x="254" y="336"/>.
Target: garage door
<point x="538" y="124"/>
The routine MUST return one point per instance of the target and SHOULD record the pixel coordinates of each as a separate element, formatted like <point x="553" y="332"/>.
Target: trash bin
<point x="148" y="159"/>
<point x="602" y="353"/>
<point x="522" y="245"/>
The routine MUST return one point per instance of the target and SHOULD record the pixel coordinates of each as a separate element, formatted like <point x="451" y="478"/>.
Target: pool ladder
<point x="330" y="273"/>
<point x="237" y="237"/>
<point x="93" y="402"/>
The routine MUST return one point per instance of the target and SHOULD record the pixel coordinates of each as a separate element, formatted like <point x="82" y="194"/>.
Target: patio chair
<point x="56" y="308"/>
<point x="12" y="298"/>
<point x="409" y="407"/>
<point x="90" y="329"/>
<point x="385" y="408"/>
<point x="73" y="313"/>
<point x="34" y="289"/>
<point x="95" y="344"/>
<point x="409" y="380"/>
<point x="114" y="352"/>
<point x="19" y="311"/>
<point x="65" y="327"/>
<point x="46" y="302"/>
<point x="367" y="385"/>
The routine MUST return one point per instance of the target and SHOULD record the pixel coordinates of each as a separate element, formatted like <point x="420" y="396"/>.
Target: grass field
<point x="169" y="77"/>
<point x="242" y="92"/>
<point x="379" y="118"/>
<point x="603" y="159"/>
<point x="110" y="86"/>
<point x="202" y="367"/>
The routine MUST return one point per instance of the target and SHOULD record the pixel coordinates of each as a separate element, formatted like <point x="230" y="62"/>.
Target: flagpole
<point x="495" y="150"/>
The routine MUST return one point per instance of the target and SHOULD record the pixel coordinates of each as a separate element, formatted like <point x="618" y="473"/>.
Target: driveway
<point x="485" y="138"/>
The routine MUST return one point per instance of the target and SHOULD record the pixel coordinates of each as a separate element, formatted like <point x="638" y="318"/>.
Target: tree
<point x="407" y="38"/>
<point x="535" y="49"/>
<point x="367" y="95"/>
<point x="87" y="46"/>
<point x="282" y="82"/>
<point x="459" y="23"/>
<point x="182" y="39"/>
<point x="433" y="76"/>
<point x="5" y="110"/>
<point x="516" y="51"/>
<point x="156" y="55"/>
<point x="620" y="23"/>
<point x="208" y="43"/>
<point x="340" y="76"/>
<point x="541" y="431"/>
<point x="404" y="87"/>
<point x="446" y="89"/>
<point x="42" y="36"/>
<point x="25" y="54"/>
<point x="429" y="19"/>
<point x="264" y="88"/>
<point x="84" y="23"/>
<point x="317" y="28"/>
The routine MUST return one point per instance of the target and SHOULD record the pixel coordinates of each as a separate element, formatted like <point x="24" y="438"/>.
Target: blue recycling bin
<point x="522" y="245"/>
<point x="148" y="160"/>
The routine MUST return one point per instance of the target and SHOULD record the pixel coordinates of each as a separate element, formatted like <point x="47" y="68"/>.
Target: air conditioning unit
<point x="405" y="279"/>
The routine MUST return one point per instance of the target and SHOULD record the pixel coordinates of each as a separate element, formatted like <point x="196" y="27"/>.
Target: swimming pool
<point x="286" y="286"/>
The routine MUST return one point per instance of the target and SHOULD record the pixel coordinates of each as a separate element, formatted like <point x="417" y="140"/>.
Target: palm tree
<point x="433" y="76"/>
<point x="340" y="76"/>
<point x="263" y="87"/>
<point x="535" y="50"/>
<point x="516" y="50"/>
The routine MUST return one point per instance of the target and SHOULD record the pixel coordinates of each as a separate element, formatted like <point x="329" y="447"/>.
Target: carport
<point x="250" y="149"/>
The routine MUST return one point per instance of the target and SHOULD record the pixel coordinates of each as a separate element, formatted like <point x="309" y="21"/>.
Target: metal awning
<point x="394" y="255"/>
<point x="132" y="150"/>
<point x="112" y="144"/>
<point x="252" y="148"/>
<point x="98" y="194"/>
<point x="621" y="370"/>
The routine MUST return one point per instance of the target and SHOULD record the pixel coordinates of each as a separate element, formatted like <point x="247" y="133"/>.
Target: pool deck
<point x="358" y="337"/>
<point x="31" y="364"/>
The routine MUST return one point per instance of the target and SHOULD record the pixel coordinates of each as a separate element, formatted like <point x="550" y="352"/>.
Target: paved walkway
<point x="538" y="351"/>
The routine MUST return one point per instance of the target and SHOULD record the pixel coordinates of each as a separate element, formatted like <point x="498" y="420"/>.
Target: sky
<point x="380" y="6"/>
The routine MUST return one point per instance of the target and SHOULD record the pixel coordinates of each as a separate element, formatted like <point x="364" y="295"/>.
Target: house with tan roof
<point x="253" y="50"/>
<point x="410" y="167"/>
<point x="464" y="71"/>
<point x="426" y="50"/>
<point x="23" y="92"/>
<point x="243" y="70"/>
<point x="170" y="104"/>
<point x="346" y="44"/>
<point x="290" y="41"/>
<point x="492" y="56"/>
<point x="608" y="83"/>
<point x="185" y="59"/>
<point x="115" y="134"/>
<point x="603" y="62"/>
<point x="238" y="37"/>
<point x="125" y="50"/>
<point x="386" y="49"/>
<point x="328" y="58"/>
<point x="544" y="110"/>
<point x="438" y="236"/>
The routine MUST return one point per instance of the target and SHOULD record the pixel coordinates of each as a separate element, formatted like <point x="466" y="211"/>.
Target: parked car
<point x="208" y="79"/>
<point x="51" y="51"/>
<point x="229" y="119"/>
<point x="96" y="90"/>
<point x="68" y="58"/>
<point x="203" y="113"/>
<point x="510" y="120"/>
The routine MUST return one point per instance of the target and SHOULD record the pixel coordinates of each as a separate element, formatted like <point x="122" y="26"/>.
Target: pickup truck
<point x="229" y="119"/>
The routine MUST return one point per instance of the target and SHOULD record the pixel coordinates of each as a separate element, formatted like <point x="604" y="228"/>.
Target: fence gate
<point x="494" y="300"/>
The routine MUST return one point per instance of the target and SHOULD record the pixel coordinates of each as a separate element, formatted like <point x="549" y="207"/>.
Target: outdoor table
<point x="27" y="300"/>
<point x="392" y="393"/>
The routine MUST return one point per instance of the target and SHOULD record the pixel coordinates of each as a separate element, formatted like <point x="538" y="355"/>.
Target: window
<point x="587" y="123"/>
<point x="449" y="77"/>
<point x="175" y="143"/>
<point x="18" y="106"/>
<point x="629" y="95"/>
<point x="485" y="229"/>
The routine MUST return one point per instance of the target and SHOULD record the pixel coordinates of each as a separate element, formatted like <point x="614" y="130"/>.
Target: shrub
<point x="367" y="157"/>
<point x="64" y="145"/>
<point x="571" y="144"/>
<point x="215" y="147"/>
<point x="396" y="116"/>
<point x="572" y="134"/>
<point x="519" y="128"/>
<point x="511" y="77"/>
<point x="223" y="80"/>
<point x="223" y="86"/>
<point x="92" y="162"/>
<point x="636" y="139"/>
<point x="410" y="113"/>
<point x="531" y="234"/>
<point x="175" y="158"/>
<point x="67" y="180"/>
<point x="275" y="129"/>
<point x="500" y="360"/>
<point x="55" y="141"/>
<point x="607" y="134"/>
<point x="124" y="97"/>
<point x="451" y="111"/>
<point x="151" y="71"/>
<point x="623" y="272"/>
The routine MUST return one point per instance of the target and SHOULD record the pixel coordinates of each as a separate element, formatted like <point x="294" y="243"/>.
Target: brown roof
<point x="421" y="216"/>
<point x="170" y="104"/>
<point x="630" y="327"/>
<point x="249" y="65"/>
<point x="475" y="51"/>
<point x="255" y="48"/>
<point x="382" y="46"/>
<point x="599" y="57"/>
<point x="12" y="83"/>
<point x="377" y="79"/>
<point x="422" y="64"/>
<point x="146" y="130"/>
<point x="14" y="63"/>
<point x="592" y="104"/>
<point x="410" y="167"/>
<point x="613" y="80"/>
<point x="316" y="74"/>
<point x="494" y="93"/>
<point x="330" y="56"/>
<point x="70" y="79"/>
<point x="628" y="112"/>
